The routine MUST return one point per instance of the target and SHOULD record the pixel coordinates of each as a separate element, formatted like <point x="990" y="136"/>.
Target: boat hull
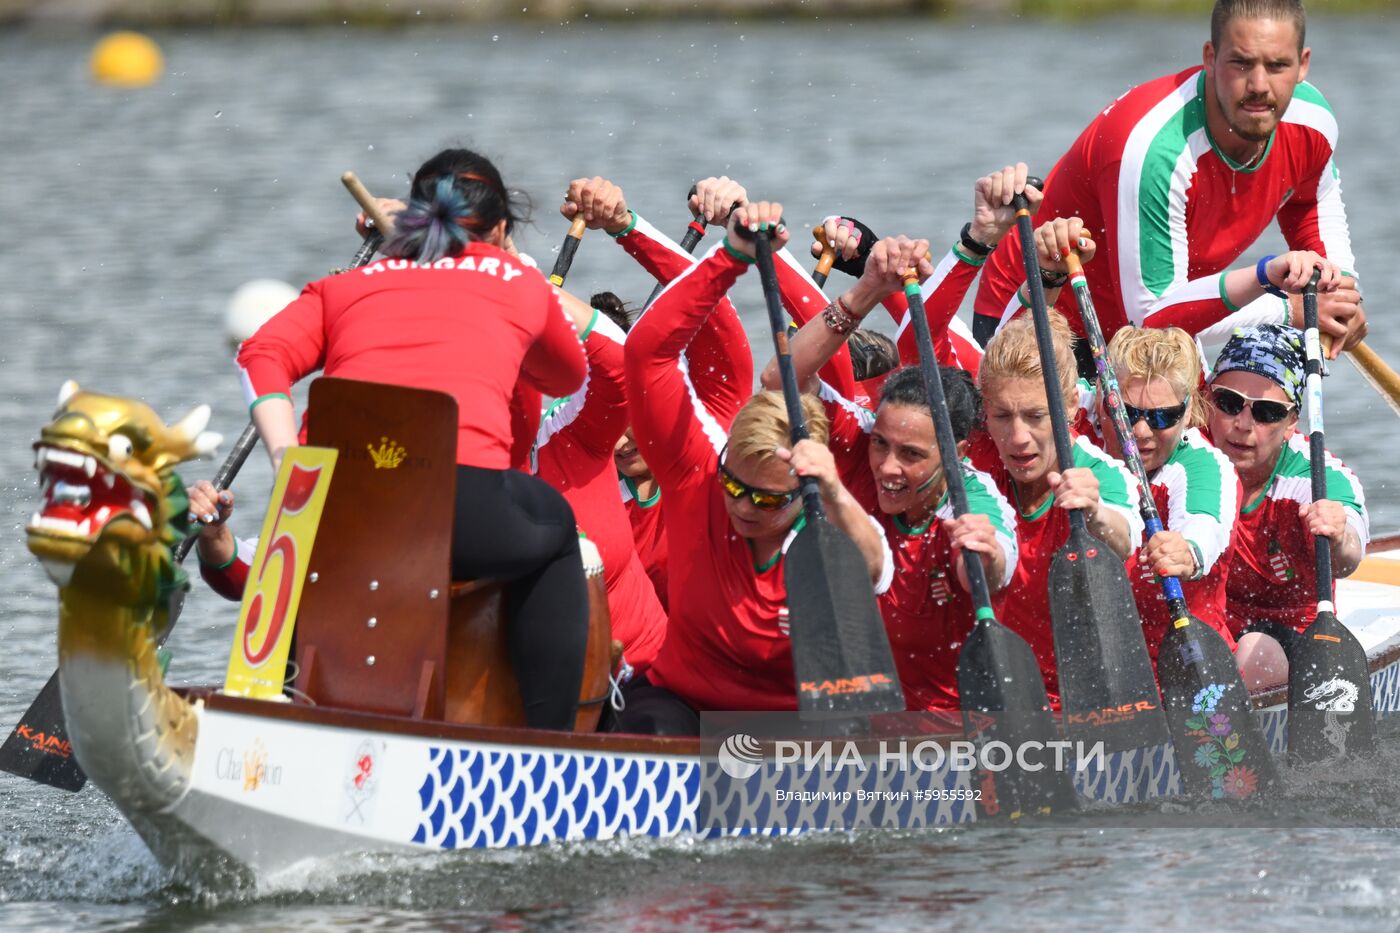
<point x="273" y="785"/>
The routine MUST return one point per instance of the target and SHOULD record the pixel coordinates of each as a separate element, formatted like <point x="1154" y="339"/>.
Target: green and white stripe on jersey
<point x="984" y="498"/>
<point x="1202" y="495"/>
<point x="1309" y="108"/>
<point x="1117" y="488"/>
<point x="1292" y="479"/>
<point x="1153" y="177"/>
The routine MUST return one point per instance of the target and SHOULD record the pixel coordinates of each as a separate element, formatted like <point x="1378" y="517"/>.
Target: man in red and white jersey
<point x="1177" y="178"/>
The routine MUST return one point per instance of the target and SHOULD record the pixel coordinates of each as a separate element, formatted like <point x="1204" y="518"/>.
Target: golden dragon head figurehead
<point x="105" y="460"/>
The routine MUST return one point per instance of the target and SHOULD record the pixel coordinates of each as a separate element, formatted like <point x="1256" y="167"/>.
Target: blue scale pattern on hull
<point x="481" y="797"/>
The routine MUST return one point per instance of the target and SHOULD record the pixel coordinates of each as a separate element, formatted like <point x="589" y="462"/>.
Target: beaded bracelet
<point x="838" y="318"/>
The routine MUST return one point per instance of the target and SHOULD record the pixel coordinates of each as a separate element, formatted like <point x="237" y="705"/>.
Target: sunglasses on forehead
<point x="1264" y="410"/>
<point x="766" y="499"/>
<point x="1158" y="419"/>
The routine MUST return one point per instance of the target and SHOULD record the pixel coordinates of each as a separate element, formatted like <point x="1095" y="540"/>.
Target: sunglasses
<point x="765" y="499"/>
<point x="1264" y="410"/>
<point x="1158" y="419"/>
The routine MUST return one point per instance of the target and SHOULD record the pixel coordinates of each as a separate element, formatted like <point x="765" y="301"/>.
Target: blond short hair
<point x="761" y="426"/>
<point x="1013" y="354"/>
<point x="1165" y="353"/>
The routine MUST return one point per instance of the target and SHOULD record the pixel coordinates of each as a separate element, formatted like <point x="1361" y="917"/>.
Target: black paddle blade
<point x="1107" y="690"/>
<point x="840" y="653"/>
<point x="1220" y="750"/>
<point x="1003" y="699"/>
<point x="38" y="749"/>
<point x="1329" y="694"/>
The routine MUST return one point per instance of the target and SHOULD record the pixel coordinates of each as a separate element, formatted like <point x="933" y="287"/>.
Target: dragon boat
<point x="400" y="728"/>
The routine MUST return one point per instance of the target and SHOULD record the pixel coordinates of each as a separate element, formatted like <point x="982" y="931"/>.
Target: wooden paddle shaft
<point x="367" y="203"/>
<point x="828" y="256"/>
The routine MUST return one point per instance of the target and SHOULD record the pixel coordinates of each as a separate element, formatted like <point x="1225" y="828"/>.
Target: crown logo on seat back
<point x="388" y="455"/>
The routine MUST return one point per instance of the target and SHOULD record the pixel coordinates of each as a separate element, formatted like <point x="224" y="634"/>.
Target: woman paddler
<point x="1017" y="450"/>
<point x="454" y="312"/>
<point x="731" y="505"/>
<point x="1253" y="397"/>
<point x="719" y="365"/>
<point x="1194" y="486"/>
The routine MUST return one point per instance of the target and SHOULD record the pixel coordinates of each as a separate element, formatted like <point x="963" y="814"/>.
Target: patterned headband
<point x="1269" y="350"/>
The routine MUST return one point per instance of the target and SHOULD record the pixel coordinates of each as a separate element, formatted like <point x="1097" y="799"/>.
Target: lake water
<point x="132" y="215"/>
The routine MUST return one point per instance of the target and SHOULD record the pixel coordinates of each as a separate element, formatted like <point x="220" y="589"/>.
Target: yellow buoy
<point x="126" y="59"/>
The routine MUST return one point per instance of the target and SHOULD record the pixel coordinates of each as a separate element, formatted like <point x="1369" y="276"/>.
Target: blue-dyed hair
<point x="457" y="196"/>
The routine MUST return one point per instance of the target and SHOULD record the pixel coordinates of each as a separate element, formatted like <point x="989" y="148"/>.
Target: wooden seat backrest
<point x="371" y="632"/>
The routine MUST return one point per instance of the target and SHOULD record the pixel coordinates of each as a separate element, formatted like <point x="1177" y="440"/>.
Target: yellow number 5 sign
<point x="257" y="665"/>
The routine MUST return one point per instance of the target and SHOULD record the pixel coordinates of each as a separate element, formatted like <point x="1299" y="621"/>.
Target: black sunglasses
<point x="766" y="499"/>
<point x="1158" y="419"/>
<point x="1264" y="410"/>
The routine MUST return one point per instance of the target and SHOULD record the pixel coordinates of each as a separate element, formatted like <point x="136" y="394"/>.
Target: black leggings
<point x="519" y="530"/>
<point x="651" y="710"/>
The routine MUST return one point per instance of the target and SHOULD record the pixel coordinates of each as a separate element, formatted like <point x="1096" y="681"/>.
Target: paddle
<point x="840" y="653"/>
<point x="38" y="747"/>
<point x="1329" y="687"/>
<point x="694" y="232"/>
<point x="1107" y="692"/>
<point x="1195" y="668"/>
<point x="827" y="259"/>
<point x="1375" y="371"/>
<point x="383" y="226"/>
<point x="997" y="671"/>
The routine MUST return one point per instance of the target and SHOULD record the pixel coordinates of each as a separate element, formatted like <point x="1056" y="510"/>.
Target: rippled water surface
<point x="131" y="216"/>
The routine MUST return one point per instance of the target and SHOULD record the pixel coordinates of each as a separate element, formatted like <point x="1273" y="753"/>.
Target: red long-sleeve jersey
<point x="469" y="325"/>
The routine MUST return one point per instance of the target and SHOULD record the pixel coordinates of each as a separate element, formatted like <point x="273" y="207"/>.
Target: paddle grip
<point x="943" y="433"/>
<point x="792" y="396"/>
<point x="567" y="251"/>
<point x="1317" y="451"/>
<point x="827" y="259"/>
<point x="744" y="233"/>
<point x="367" y="203"/>
<point x="1054" y="396"/>
<point x="1113" y="401"/>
